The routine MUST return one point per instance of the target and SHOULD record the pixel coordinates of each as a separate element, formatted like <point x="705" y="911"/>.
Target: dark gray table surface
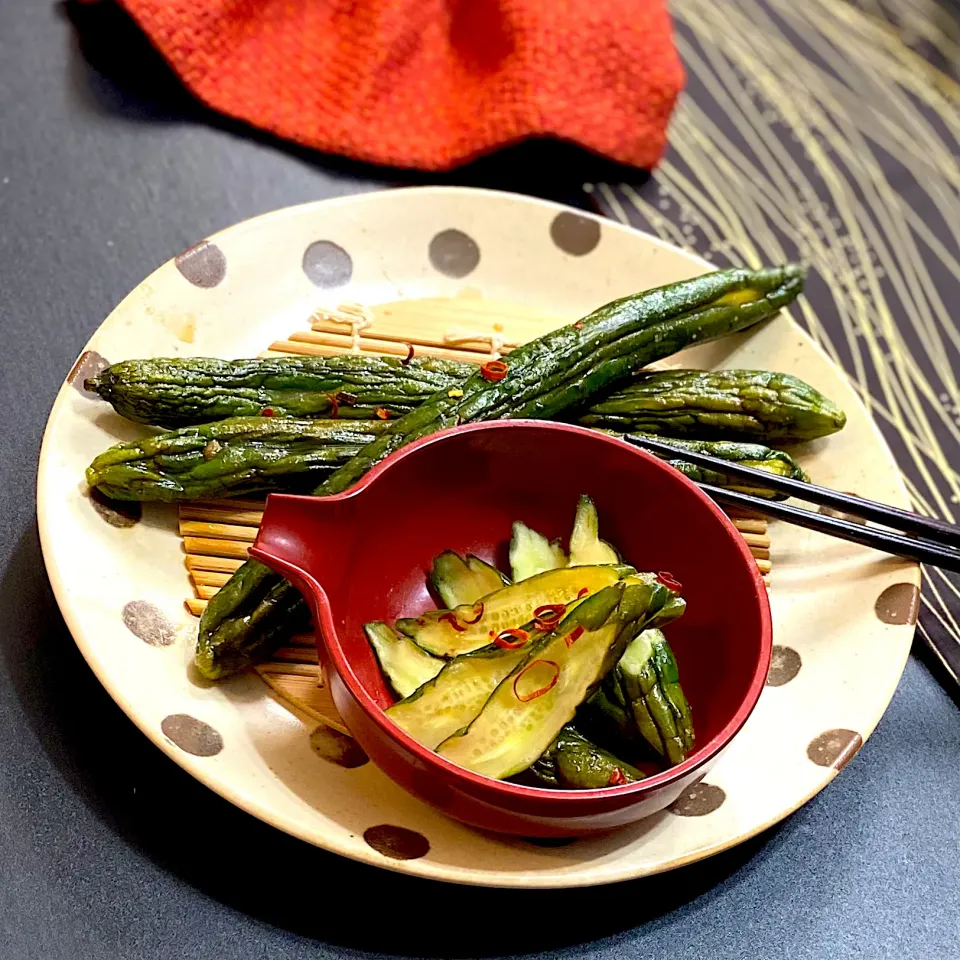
<point x="106" y="170"/>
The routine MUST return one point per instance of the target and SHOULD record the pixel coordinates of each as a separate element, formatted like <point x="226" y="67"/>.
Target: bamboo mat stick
<point x="222" y="564"/>
<point x="215" y="548"/>
<point x="301" y="348"/>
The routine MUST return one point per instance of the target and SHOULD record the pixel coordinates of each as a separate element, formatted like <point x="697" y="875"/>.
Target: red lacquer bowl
<point x="364" y="555"/>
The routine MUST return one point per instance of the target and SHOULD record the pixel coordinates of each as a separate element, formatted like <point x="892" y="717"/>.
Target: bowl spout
<point x="308" y="540"/>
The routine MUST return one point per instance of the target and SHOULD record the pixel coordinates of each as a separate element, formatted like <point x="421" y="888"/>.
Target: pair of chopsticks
<point x="933" y="541"/>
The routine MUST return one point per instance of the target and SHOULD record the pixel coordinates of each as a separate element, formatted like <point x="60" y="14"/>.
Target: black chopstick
<point x="904" y="520"/>
<point x="911" y="548"/>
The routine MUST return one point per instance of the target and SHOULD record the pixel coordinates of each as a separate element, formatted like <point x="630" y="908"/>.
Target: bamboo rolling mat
<point x="217" y="534"/>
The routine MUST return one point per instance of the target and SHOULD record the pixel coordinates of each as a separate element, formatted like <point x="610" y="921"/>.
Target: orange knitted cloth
<point x="429" y="83"/>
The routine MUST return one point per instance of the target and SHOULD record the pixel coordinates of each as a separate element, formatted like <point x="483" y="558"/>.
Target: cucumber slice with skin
<point x="648" y="677"/>
<point x="532" y="553"/>
<point x="458" y="580"/>
<point x="585" y="543"/>
<point x="405" y="665"/>
<point x="450" y="700"/>
<point x="448" y="633"/>
<point x="575" y="762"/>
<point x="531" y="705"/>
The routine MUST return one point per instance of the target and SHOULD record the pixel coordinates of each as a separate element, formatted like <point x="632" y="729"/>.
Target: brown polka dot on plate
<point x="148" y="623"/>
<point x="899" y="604"/>
<point x="574" y="234"/>
<point x="398" y="843"/>
<point x="192" y="735"/>
<point x="88" y="365"/>
<point x="835" y="748"/>
<point x="203" y="264"/>
<point x="118" y="513"/>
<point x="840" y="515"/>
<point x="698" y="801"/>
<point x="785" y="664"/>
<point x="336" y="747"/>
<point x="327" y="265"/>
<point x="453" y="253"/>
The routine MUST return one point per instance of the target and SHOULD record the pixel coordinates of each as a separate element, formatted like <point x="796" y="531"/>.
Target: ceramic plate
<point x="843" y="615"/>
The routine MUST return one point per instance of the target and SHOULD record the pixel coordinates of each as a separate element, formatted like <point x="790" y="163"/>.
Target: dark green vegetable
<point x="561" y="369"/>
<point x="719" y="404"/>
<point x="574" y="762"/>
<point x="183" y="391"/>
<point x="749" y="454"/>
<point x="646" y="681"/>
<point x="230" y="458"/>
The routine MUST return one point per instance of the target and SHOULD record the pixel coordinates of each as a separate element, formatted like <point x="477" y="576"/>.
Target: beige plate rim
<point x="249" y="801"/>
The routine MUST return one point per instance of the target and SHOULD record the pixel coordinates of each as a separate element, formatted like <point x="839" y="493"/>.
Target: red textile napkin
<point x="429" y="83"/>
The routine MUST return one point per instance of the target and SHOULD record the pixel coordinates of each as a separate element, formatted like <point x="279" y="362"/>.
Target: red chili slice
<point x="266" y="412"/>
<point x="583" y="592"/>
<point x="571" y="638"/>
<point x="451" y="618"/>
<point x="409" y="355"/>
<point x="511" y="639"/>
<point x="549" y="615"/>
<point x="577" y="325"/>
<point x="617" y="777"/>
<point x="334" y="405"/>
<point x="669" y="581"/>
<point x="493" y="370"/>
<point x="479" y="612"/>
<point x="349" y="399"/>
<point x="540" y="691"/>
<point x="383" y="413"/>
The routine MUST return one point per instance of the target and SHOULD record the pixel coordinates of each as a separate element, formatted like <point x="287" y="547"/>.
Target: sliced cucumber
<point x="574" y="762"/>
<point x="518" y="723"/>
<point x="532" y="553"/>
<point x="650" y="683"/>
<point x="586" y="547"/>
<point x="405" y="665"/>
<point x="448" y="633"/>
<point x="450" y="700"/>
<point x="458" y="580"/>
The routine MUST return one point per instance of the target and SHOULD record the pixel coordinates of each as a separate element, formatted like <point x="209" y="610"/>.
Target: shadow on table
<point x="228" y="855"/>
<point x="115" y="70"/>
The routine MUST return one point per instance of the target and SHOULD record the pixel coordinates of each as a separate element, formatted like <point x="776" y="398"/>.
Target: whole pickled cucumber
<point x="754" y="455"/>
<point x="719" y="404"/>
<point x="242" y="455"/>
<point x="182" y="391"/>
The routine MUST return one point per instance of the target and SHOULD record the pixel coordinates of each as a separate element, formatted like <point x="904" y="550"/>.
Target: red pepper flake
<point x="266" y="412"/>
<point x="421" y="622"/>
<point x="493" y="370"/>
<point x="409" y="355"/>
<point x="451" y="618"/>
<point x="583" y="592"/>
<point x="549" y="615"/>
<point x="577" y="325"/>
<point x="512" y="639"/>
<point x="617" y="777"/>
<point x="348" y="399"/>
<point x="669" y="581"/>
<point x="478" y="609"/>
<point x="334" y="405"/>
<point x="571" y="638"/>
<point x="383" y="413"/>
<point x="539" y="691"/>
